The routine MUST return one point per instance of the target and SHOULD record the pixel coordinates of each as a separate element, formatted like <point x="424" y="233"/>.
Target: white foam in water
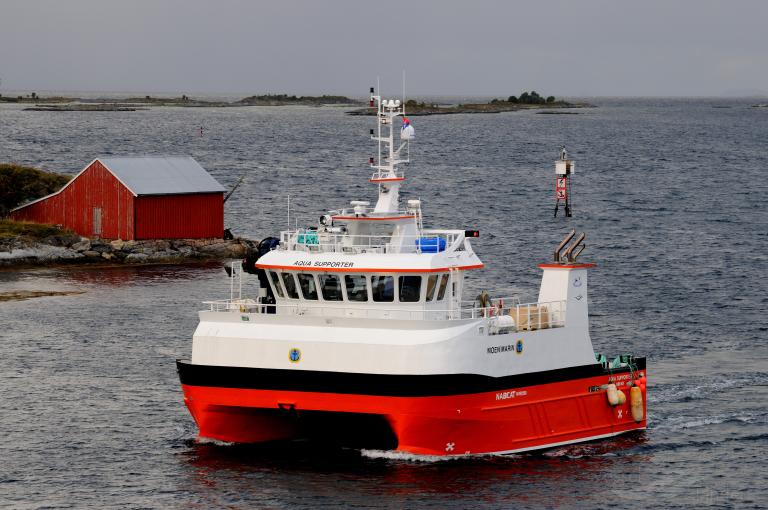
<point x="703" y="421"/>
<point x="580" y="451"/>
<point x="680" y="392"/>
<point x="689" y="422"/>
<point x="216" y="442"/>
<point x="571" y="453"/>
<point x="411" y="457"/>
<point x="180" y="432"/>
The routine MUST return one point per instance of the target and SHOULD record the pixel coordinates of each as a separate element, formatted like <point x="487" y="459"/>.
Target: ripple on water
<point x="93" y="414"/>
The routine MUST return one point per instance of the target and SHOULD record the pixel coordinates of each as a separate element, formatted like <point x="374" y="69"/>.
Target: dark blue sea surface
<point x="672" y="196"/>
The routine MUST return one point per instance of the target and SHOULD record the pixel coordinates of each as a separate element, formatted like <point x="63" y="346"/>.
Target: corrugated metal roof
<point x="161" y="175"/>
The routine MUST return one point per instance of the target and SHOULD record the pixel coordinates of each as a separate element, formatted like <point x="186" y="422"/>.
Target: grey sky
<point x="592" y="47"/>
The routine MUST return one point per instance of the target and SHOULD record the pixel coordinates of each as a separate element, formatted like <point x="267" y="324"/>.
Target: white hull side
<point x="386" y="346"/>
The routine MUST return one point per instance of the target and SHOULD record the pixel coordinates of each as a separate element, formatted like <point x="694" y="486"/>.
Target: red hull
<point x="505" y="421"/>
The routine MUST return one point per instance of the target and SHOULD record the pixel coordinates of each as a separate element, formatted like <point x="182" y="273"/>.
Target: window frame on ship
<point x="428" y="287"/>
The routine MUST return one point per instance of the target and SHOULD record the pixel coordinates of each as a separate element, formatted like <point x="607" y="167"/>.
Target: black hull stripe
<point x="377" y="384"/>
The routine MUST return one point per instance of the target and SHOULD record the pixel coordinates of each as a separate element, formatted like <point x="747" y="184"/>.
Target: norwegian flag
<point x="407" y="132"/>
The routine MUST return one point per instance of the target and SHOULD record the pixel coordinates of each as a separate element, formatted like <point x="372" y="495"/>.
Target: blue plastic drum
<point x="430" y="244"/>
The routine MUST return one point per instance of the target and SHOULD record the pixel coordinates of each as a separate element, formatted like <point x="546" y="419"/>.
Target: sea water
<point x="671" y="194"/>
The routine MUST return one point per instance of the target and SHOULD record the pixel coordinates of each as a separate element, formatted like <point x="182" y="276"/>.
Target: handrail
<point x="332" y="242"/>
<point x="379" y="174"/>
<point x="524" y="316"/>
<point x="347" y="211"/>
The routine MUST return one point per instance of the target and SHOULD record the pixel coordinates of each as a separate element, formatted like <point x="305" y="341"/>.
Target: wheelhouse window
<point x="308" y="286"/>
<point x="432" y="286"/>
<point x="330" y="287"/>
<point x="357" y="287"/>
<point x="383" y="288"/>
<point x="273" y="278"/>
<point x="443" y="286"/>
<point x="409" y="288"/>
<point x="290" y="285"/>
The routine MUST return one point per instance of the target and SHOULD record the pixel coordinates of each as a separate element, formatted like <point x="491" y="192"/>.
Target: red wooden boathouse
<point x="135" y="198"/>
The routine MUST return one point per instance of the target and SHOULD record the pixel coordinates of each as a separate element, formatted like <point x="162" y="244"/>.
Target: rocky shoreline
<point x="73" y="249"/>
<point x="77" y="104"/>
<point x="77" y="107"/>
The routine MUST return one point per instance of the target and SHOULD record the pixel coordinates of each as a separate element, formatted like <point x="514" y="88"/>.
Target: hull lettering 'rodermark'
<point x="501" y="348"/>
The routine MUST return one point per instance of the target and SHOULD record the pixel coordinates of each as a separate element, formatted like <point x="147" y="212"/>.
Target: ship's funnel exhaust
<point x="563" y="243"/>
<point x="569" y="251"/>
<point x="573" y="249"/>
<point x="578" y="252"/>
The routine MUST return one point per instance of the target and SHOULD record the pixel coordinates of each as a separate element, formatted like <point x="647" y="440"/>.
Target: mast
<point x="385" y="166"/>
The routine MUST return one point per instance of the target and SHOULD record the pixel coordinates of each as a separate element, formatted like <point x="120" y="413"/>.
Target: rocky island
<point x="134" y="103"/>
<point x="284" y="99"/>
<point x="46" y="245"/>
<point x="526" y="101"/>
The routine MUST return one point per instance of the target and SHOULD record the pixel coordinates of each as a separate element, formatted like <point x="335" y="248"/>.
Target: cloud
<point x="596" y="47"/>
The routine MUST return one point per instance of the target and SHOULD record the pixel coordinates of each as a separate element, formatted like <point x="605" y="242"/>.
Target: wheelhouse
<point x="355" y="288"/>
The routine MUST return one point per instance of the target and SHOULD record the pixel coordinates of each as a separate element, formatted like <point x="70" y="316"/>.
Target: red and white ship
<point x="360" y="336"/>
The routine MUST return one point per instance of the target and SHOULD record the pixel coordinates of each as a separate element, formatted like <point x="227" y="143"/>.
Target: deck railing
<point x="379" y="175"/>
<point x="343" y="242"/>
<point x="499" y="318"/>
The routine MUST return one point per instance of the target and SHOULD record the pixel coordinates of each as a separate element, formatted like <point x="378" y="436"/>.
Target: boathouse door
<point x="97" y="221"/>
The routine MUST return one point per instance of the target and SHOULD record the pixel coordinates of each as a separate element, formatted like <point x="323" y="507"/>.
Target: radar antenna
<point x="385" y="165"/>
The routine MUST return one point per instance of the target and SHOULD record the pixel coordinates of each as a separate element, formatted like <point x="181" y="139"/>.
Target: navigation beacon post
<point x="564" y="167"/>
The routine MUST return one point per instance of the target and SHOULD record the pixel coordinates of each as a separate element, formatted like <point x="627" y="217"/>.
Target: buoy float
<point x="613" y="394"/>
<point x="622" y="397"/>
<point x="640" y="383"/>
<point x="636" y="403"/>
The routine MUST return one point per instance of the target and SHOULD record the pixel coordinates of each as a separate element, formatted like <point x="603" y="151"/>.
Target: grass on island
<point x="19" y="185"/>
<point x="22" y="184"/>
<point x="11" y="229"/>
<point x="21" y="295"/>
<point x="183" y="100"/>
<point x="283" y="99"/>
<point x="525" y="100"/>
<point x="34" y="98"/>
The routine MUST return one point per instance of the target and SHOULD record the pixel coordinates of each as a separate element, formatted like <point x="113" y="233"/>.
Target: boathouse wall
<point x="180" y="216"/>
<point x="95" y="203"/>
<point x="93" y="196"/>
